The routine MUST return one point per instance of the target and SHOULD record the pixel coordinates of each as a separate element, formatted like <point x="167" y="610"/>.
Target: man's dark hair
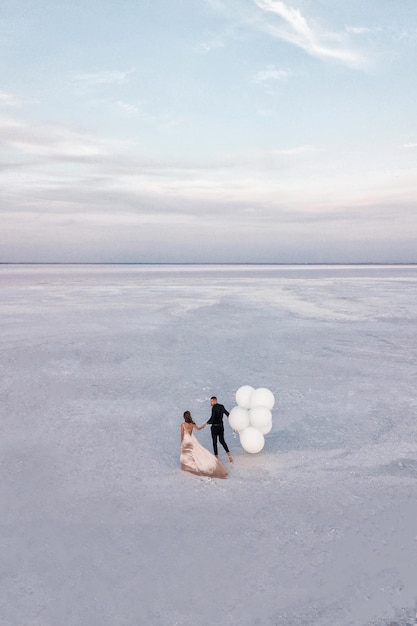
<point x="213" y="398"/>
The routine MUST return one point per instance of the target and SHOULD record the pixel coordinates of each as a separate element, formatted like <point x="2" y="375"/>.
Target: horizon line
<point x="306" y="263"/>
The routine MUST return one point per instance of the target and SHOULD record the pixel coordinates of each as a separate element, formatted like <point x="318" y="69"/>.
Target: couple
<point x="193" y="456"/>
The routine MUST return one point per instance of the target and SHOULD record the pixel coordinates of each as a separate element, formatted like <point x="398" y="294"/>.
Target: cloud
<point x="262" y="161"/>
<point x="8" y="100"/>
<point x="104" y="77"/>
<point x="65" y="167"/>
<point x="130" y="109"/>
<point x="49" y="142"/>
<point x="409" y="146"/>
<point x="363" y="30"/>
<point x="212" y="44"/>
<point x="75" y="177"/>
<point x="294" y="28"/>
<point x="271" y="73"/>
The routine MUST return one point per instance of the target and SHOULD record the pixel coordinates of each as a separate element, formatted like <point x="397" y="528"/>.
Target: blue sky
<point x="208" y="131"/>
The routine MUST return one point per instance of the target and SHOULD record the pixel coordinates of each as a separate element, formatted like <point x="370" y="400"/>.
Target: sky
<point x="208" y="131"/>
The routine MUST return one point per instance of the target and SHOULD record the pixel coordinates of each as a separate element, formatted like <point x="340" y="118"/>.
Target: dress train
<point x="198" y="460"/>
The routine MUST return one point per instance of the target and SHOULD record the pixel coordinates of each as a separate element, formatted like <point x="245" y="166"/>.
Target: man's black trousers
<point x="217" y="433"/>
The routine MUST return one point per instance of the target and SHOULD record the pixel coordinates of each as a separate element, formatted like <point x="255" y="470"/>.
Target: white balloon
<point x="266" y="429"/>
<point x="243" y="396"/>
<point x="238" y="418"/>
<point x="260" y="417"/>
<point x="262" y="397"/>
<point x="252" y="440"/>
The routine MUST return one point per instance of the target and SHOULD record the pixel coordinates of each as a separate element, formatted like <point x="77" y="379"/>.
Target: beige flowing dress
<point x="198" y="460"/>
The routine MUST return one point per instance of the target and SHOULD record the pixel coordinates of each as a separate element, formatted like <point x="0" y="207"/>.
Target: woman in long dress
<point x="194" y="457"/>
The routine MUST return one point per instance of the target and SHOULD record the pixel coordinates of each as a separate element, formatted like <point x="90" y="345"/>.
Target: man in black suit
<point x="217" y="427"/>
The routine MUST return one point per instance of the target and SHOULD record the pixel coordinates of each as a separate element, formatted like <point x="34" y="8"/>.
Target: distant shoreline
<point x="219" y="264"/>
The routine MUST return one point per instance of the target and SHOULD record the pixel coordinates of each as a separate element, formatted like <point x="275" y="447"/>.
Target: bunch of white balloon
<point x="252" y="416"/>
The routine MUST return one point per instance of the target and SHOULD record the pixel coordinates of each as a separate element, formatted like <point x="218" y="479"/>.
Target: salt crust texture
<point x="99" y="526"/>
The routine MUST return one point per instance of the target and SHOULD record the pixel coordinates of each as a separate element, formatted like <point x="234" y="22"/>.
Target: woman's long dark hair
<point x="188" y="418"/>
